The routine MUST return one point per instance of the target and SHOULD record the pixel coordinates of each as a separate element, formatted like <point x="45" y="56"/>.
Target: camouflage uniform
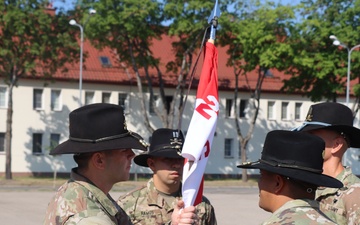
<point x="342" y="205"/>
<point x="78" y="201"/>
<point x="146" y="206"/>
<point x="299" y="212"/>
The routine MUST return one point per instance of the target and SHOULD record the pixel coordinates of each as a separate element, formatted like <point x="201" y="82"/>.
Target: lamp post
<point x="337" y="42"/>
<point x="74" y="23"/>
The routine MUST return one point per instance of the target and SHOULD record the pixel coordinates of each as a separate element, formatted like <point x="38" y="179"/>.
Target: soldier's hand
<point x="183" y="216"/>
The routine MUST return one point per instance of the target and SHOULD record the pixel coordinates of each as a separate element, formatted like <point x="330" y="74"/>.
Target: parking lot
<point x="233" y="205"/>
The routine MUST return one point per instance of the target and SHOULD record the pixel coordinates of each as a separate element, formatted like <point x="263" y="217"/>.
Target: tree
<point x="130" y="28"/>
<point x="254" y="34"/>
<point x="318" y="68"/>
<point x="34" y="41"/>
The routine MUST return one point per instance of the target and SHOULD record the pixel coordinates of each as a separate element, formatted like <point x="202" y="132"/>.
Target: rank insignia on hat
<point x="309" y="115"/>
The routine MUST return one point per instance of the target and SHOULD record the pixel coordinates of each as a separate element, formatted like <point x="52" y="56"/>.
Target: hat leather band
<point x="100" y="139"/>
<point x="310" y="123"/>
<point x="177" y="147"/>
<point x="275" y="164"/>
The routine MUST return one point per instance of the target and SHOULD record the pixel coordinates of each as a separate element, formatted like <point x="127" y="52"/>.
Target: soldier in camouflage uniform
<point x="154" y="203"/>
<point x="102" y="148"/>
<point x="333" y="122"/>
<point x="290" y="171"/>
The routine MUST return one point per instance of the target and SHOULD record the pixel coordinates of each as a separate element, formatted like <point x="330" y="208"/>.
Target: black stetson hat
<point x="334" y="116"/>
<point x="98" y="127"/>
<point x="166" y="143"/>
<point x="296" y="155"/>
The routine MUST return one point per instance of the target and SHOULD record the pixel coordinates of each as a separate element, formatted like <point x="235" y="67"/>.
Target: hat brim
<point x="320" y="180"/>
<point x="73" y="147"/>
<point x="141" y="159"/>
<point x="352" y="132"/>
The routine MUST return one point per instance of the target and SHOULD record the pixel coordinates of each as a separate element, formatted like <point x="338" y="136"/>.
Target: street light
<point x="337" y="42"/>
<point x="74" y="23"/>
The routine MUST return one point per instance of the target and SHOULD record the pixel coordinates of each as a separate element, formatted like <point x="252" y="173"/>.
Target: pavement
<point x="233" y="205"/>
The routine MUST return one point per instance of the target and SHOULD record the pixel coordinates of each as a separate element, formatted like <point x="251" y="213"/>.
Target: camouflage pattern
<point x="342" y="205"/>
<point x="146" y="206"/>
<point x="78" y="201"/>
<point x="299" y="212"/>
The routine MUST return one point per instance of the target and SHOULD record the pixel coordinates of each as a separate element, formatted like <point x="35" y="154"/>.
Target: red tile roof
<point x="94" y="72"/>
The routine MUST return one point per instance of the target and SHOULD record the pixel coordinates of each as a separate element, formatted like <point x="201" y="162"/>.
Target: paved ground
<point x="233" y="205"/>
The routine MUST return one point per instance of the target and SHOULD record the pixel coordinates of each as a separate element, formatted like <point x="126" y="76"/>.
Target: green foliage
<point x="33" y="37"/>
<point x="319" y="68"/>
<point x="254" y="34"/>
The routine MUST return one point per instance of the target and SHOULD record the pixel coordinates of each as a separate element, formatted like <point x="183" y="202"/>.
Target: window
<point x="3" y="97"/>
<point x="54" y="140"/>
<point x="89" y="97"/>
<point x="105" y="61"/>
<point x="105" y="98"/>
<point x="55" y="100"/>
<point x="228" y="107"/>
<point x="298" y="110"/>
<point x="2" y="142"/>
<point x="271" y="110"/>
<point x="169" y="100"/>
<point x="37" y="143"/>
<point x="152" y="103"/>
<point x="38" y="99"/>
<point x="123" y="101"/>
<point x="242" y="107"/>
<point x="284" y="110"/>
<point x="228" y="148"/>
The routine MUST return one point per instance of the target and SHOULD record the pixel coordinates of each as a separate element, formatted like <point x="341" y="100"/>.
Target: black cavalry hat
<point x="166" y="143"/>
<point x="296" y="155"/>
<point x="98" y="127"/>
<point x="334" y="116"/>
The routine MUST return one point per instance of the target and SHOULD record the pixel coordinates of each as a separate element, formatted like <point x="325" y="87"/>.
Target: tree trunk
<point x="8" y="134"/>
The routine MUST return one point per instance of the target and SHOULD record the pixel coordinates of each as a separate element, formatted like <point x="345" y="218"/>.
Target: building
<point x="40" y="119"/>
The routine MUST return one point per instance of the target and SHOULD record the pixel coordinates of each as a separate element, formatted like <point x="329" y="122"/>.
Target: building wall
<point x="27" y="121"/>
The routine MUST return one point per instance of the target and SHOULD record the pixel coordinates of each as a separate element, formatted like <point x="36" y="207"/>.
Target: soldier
<point x="290" y="171"/>
<point x="154" y="203"/>
<point x="102" y="148"/>
<point x="333" y="122"/>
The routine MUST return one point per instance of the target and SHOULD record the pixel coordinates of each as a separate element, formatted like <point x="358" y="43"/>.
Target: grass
<point x="49" y="183"/>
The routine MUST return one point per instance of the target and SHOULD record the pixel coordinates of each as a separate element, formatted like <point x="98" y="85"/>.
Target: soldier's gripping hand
<point x="183" y="216"/>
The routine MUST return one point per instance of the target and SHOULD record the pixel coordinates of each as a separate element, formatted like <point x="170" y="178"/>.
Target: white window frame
<point x="271" y="110"/>
<point x="3" y="97"/>
<point x="53" y="142"/>
<point x="124" y="102"/>
<point x="297" y="110"/>
<point x="42" y="99"/>
<point x="87" y="93"/>
<point x="228" y="148"/>
<point x="2" y="147"/>
<point x="53" y="100"/>
<point x="41" y="144"/>
<point x="229" y="102"/>
<point x="106" y="95"/>
<point x="244" y="103"/>
<point x="285" y="115"/>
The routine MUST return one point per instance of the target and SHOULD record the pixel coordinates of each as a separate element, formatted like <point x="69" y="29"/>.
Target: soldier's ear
<point x="98" y="159"/>
<point x="278" y="183"/>
<point x="151" y="164"/>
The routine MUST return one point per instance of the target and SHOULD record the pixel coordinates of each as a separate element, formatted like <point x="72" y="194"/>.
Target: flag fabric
<point x="201" y="130"/>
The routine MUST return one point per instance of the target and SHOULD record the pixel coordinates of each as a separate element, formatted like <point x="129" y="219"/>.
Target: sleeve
<point x="206" y="213"/>
<point x="352" y="204"/>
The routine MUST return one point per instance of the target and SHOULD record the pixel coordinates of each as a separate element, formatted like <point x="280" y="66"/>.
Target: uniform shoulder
<point x="132" y="194"/>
